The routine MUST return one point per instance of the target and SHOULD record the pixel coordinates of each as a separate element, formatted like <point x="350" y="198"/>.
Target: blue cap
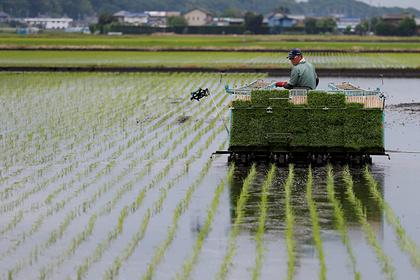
<point x="293" y="53"/>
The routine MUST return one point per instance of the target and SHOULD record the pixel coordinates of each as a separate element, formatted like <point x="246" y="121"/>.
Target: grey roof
<point x="3" y="14"/>
<point x="129" y="14"/>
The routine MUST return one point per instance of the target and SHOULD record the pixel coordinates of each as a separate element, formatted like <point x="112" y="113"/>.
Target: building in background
<point x="198" y="17"/>
<point x="228" y="21"/>
<point x="131" y="18"/>
<point x="160" y="18"/>
<point x="4" y="17"/>
<point x="343" y="23"/>
<point x="49" y="23"/>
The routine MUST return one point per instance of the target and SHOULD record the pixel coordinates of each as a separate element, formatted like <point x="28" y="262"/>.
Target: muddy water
<point x="398" y="182"/>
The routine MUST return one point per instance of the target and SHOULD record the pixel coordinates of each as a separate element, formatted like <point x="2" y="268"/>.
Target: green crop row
<point x="315" y="224"/>
<point x="290" y="220"/>
<point x="259" y="237"/>
<point x="240" y="204"/>
<point x="226" y="60"/>
<point x="216" y="41"/>
<point x="340" y="222"/>
<point x="385" y="261"/>
<point x="406" y="244"/>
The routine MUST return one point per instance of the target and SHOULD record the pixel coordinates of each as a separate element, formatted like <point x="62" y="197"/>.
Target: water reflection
<point x="275" y="223"/>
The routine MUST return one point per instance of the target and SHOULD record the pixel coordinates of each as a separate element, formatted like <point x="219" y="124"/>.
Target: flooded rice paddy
<point x="109" y="176"/>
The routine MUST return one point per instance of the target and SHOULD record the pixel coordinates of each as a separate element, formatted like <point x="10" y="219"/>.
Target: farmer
<point x="303" y="73"/>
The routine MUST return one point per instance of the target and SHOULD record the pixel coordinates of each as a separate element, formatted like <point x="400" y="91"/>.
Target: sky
<point x="394" y="3"/>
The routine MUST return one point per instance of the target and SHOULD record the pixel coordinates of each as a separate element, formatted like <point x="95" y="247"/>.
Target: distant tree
<point x="177" y="21"/>
<point x="104" y="20"/>
<point x="232" y="12"/>
<point x="283" y="10"/>
<point x="253" y="22"/>
<point x="323" y="25"/>
<point x="347" y="30"/>
<point x="407" y="27"/>
<point x="310" y="26"/>
<point x="361" y="28"/>
<point x="326" y="25"/>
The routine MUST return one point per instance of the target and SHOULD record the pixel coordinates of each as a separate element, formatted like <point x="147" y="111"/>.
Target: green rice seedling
<point x="315" y="224"/>
<point x="189" y="263"/>
<point x="290" y="242"/>
<point x="240" y="204"/>
<point x="12" y="224"/>
<point x="387" y="267"/>
<point x="184" y="203"/>
<point x="406" y="244"/>
<point x="259" y="237"/>
<point x="113" y="272"/>
<point x="88" y="203"/>
<point x="340" y="222"/>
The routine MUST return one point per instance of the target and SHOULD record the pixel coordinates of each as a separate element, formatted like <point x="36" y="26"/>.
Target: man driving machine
<point x="303" y="73"/>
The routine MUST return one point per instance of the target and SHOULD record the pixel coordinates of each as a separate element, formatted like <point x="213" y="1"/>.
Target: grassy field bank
<point x="226" y="60"/>
<point x="314" y="42"/>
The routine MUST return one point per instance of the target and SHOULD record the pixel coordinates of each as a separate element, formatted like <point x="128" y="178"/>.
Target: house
<point x="159" y="18"/>
<point x="284" y="20"/>
<point x="278" y="21"/>
<point x="344" y="22"/>
<point x="131" y="18"/>
<point x="227" y="21"/>
<point x="198" y="17"/>
<point x="4" y="17"/>
<point x="49" y="23"/>
<point x="395" y="19"/>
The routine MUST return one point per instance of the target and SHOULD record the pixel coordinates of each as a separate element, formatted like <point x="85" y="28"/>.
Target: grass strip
<point x="340" y="222"/>
<point x="231" y="250"/>
<point x="387" y="267"/>
<point x="259" y="237"/>
<point x="405" y="242"/>
<point x="290" y="242"/>
<point x="315" y="224"/>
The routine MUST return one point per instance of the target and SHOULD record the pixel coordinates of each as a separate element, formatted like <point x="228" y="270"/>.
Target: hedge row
<point x="326" y="123"/>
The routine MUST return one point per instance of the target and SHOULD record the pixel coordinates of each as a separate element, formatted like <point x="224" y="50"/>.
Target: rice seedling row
<point x="235" y="60"/>
<point x="99" y="138"/>
<point x="315" y="225"/>
<point x="122" y="145"/>
<point x="156" y="208"/>
<point x="73" y="214"/>
<point x="406" y="243"/>
<point x="231" y="249"/>
<point x="259" y="236"/>
<point x="340" y="222"/>
<point x="387" y="267"/>
<point x="189" y="263"/>
<point x="290" y="242"/>
<point x="114" y="155"/>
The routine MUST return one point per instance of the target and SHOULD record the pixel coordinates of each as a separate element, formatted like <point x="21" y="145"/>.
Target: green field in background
<point x="212" y="41"/>
<point x="236" y="60"/>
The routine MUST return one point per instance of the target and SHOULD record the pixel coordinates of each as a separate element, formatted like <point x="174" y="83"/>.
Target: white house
<point x="132" y="18"/>
<point x="159" y="18"/>
<point x="198" y="17"/>
<point x="228" y="21"/>
<point x="344" y="22"/>
<point x="49" y="23"/>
